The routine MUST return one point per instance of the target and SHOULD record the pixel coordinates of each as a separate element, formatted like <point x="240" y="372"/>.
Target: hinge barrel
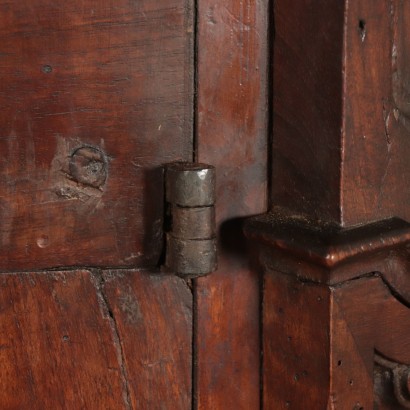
<point x="191" y="248"/>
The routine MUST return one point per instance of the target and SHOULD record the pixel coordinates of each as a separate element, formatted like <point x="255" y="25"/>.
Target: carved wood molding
<point x="330" y="254"/>
<point x="399" y="377"/>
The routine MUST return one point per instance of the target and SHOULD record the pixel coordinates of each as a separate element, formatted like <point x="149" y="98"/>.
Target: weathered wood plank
<point x="341" y="121"/>
<point x="153" y="315"/>
<point x="57" y="348"/>
<point x="296" y="343"/>
<point x="376" y="112"/>
<point x="114" y="77"/>
<point x="307" y="89"/>
<point x="232" y="135"/>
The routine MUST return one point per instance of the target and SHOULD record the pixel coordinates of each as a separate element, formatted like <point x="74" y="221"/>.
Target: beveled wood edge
<point x="328" y="253"/>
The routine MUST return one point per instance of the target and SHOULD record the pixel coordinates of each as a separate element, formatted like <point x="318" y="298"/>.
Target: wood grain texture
<point x="153" y="315"/>
<point x="232" y="136"/>
<point x="93" y="340"/>
<point x="307" y="106"/>
<point x="340" y="163"/>
<point x="320" y="342"/>
<point x="340" y="86"/>
<point x="57" y="350"/>
<point x="376" y="127"/>
<point x="377" y="323"/>
<point x="115" y="77"/>
<point x="296" y="344"/>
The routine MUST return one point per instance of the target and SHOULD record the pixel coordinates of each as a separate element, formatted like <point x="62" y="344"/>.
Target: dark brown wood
<point x="58" y="348"/>
<point x="232" y="136"/>
<point x="153" y="315"/>
<point x="118" y="340"/>
<point x="341" y="146"/>
<point x="113" y="78"/>
<point x="335" y="246"/>
<point x="376" y="172"/>
<point x="327" y="254"/>
<point x="296" y="346"/>
<point x="311" y="328"/>
<point x="323" y="306"/>
<point x="307" y="109"/>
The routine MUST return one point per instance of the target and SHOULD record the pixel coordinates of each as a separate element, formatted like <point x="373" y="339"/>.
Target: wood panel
<point x="307" y="107"/>
<point x="340" y="173"/>
<point x="94" y="97"/>
<point x="376" y="127"/>
<point x="320" y="343"/>
<point x="232" y="135"/>
<point x="153" y="315"/>
<point x="57" y="346"/>
<point x="296" y="344"/>
<point x="80" y="339"/>
<point x="340" y="92"/>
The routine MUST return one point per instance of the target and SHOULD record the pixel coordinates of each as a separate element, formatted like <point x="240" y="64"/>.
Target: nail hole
<point x="339" y="363"/>
<point x="351" y="382"/>
<point x="66" y="338"/>
<point x="47" y="69"/>
<point x="362" y="29"/>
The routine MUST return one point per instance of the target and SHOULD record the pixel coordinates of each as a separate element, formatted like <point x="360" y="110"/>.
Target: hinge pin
<point x="191" y="239"/>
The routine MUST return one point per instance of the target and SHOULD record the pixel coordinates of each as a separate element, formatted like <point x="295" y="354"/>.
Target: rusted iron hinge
<point x="191" y="249"/>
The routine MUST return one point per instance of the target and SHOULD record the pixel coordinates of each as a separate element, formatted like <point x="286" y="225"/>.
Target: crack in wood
<point x="99" y="283"/>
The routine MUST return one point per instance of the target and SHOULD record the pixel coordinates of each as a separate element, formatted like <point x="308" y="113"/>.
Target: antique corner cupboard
<point x="303" y="109"/>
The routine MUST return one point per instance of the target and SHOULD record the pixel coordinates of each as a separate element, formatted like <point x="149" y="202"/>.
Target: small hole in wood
<point x="362" y="29"/>
<point x="351" y="382"/>
<point x="339" y="363"/>
<point x="47" y="69"/>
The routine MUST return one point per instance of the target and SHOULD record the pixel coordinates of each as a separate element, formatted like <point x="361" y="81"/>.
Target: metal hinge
<point x="191" y="249"/>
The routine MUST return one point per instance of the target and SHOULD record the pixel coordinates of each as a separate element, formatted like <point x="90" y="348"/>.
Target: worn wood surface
<point x="376" y="172"/>
<point x="296" y="344"/>
<point x="81" y="339"/>
<point x="114" y="78"/>
<point x="364" y="326"/>
<point x="339" y="164"/>
<point x="320" y="343"/>
<point x="341" y="145"/>
<point x="57" y="344"/>
<point x="232" y="135"/>
<point x="153" y="315"/>
<point x="307" y="107"/>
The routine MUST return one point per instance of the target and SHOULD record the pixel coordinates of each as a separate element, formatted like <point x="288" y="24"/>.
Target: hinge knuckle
<point x="190" y="184"/>
<point x="191" y="248"/>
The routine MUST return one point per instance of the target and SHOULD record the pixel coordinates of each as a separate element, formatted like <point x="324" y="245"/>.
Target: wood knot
<point x="88" y="166"/>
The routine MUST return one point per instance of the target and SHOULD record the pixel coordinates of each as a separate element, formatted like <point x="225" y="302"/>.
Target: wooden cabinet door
<point x="95" y="97"/>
